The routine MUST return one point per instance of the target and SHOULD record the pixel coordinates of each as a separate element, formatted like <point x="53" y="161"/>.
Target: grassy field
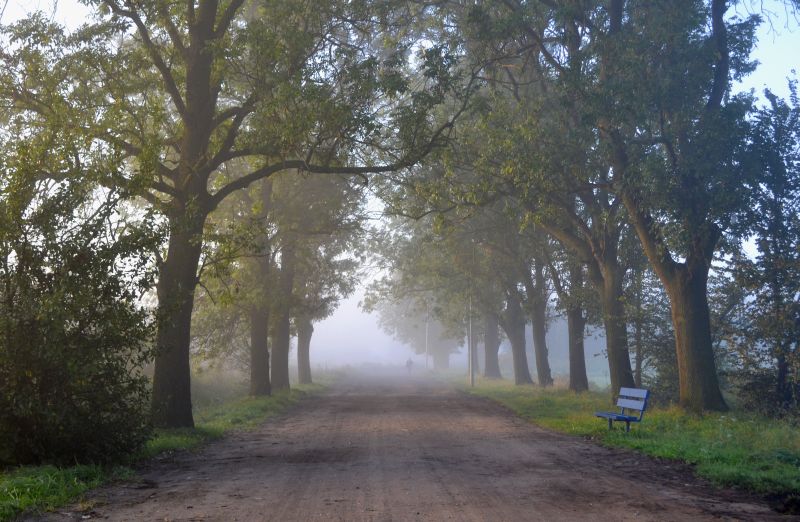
<point x="44" y="488"/>
<point x="734" y="449"/>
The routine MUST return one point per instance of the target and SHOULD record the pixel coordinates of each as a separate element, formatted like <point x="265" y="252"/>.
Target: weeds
<point x="44" y="488"/>
<point x="735" y="449"/>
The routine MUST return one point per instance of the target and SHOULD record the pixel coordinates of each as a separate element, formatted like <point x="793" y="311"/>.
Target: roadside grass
<point x="45" y="488"/>
<point x="733" y="449"/>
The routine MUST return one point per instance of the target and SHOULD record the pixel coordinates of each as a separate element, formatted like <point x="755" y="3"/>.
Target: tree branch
<point x="227" y="18"/>
<point x="150" y="46"/>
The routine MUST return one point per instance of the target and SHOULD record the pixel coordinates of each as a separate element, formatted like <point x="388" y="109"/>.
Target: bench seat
<point x="616" y="416"/>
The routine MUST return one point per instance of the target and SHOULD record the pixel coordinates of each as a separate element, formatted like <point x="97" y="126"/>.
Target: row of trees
<point x="613" y="165"/>
<point x="235" y="133"/>
<point x="220" y="145"/>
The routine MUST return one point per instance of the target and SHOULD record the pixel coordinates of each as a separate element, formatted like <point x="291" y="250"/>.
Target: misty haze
<point x="379" y="260"/>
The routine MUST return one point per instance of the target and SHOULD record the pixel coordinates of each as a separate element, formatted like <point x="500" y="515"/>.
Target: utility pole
<point x="472" y="356"/>
<point x="427" y="316"/>
<point x="471" y="345"/>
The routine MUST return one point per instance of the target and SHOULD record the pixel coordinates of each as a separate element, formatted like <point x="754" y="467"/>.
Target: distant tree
<point x="567" y="274"/>
<point x="408" y="322"/>
<point x="243" y="308"/>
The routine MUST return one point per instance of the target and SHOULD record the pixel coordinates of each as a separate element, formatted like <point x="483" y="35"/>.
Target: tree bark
<point x="260" y="311"/>
<point x="688" y="293"/>
<point x="598" y="250"/>
<point x="304" y="331"/>
<point x="513" y="323"/>
<point x="282" y="338"/>
<point x="259" y="351"/>
<point x="576" y="328"/>
<point x="177" y="278"/>
<point x="539" y="323"/>
<point x="491" y="347"/>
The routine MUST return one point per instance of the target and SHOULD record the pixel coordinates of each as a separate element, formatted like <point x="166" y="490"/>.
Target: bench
<point x="631" y="399"/>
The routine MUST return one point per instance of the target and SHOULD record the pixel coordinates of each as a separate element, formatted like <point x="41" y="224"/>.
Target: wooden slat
<point x="633" y="393"/>
<point x="630" y="404"/>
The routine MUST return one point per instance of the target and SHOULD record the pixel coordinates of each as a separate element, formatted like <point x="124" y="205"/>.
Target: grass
<point x="734" y="449"/>
<point x="45" y="488"/>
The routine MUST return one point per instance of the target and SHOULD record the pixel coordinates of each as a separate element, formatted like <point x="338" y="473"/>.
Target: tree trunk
<point x="491" y="347"/>
<point x="260" y="311"/>
<point x="576" y="328"/>
<point x="304" y="331"/>
<point x="513" y="323"/>
<point x="539" y="322"/>
<point x="686" y="285"/>
<point x="576" y="324"/>
<point x="177" y="278"/>
<point x="614" y="320"/>
<point x="687" y="289"/>
<point x="259" y="351"/>
<point x="282" y="338"/>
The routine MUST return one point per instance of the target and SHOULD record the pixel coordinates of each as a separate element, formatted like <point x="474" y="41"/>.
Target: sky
<point x="352" y="337"/>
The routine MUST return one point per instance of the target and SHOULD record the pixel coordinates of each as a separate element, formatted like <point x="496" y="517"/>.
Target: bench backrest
<point x="634" y="399"/>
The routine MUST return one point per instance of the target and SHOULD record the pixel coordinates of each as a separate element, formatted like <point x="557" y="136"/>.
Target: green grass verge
<point x="735" y="449"/>
<point x="45" y="488"/>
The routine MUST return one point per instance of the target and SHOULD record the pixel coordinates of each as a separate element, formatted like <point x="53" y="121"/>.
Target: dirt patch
<point x="401" y="448"/>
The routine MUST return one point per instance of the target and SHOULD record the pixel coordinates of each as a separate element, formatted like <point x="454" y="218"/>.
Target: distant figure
<point x="409" y="365"/>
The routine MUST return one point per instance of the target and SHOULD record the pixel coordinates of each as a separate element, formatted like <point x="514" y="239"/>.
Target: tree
<point x="686" y="183"/>
<point x="197" y="87"/>
<point x="408" y="322"/>
<point x="74" y="335"/>
<point x="571" y="291"/>
<point x="649" y="83"/>
<point x="328" y="241"/>
<point x="773" y="277"/>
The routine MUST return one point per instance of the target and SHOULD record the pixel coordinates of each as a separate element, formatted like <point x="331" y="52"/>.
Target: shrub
<point x="73" y="336"/>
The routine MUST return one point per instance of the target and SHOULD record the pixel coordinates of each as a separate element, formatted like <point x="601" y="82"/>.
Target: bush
<point x="73" y="336"/>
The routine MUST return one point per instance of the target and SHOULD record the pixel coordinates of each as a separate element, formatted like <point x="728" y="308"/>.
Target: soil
<point x="399" y="447"/>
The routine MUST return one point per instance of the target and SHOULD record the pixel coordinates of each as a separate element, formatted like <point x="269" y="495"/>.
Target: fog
<point x="352" y="337"/>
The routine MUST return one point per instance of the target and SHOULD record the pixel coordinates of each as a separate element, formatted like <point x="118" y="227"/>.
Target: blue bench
<point x="632" y="399"/>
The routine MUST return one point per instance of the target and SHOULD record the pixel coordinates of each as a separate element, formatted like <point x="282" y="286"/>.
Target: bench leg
<point x="610" y="423"/>
<point x="627" y="426"/>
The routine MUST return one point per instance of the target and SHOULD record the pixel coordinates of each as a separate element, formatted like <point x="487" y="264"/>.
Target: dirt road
<point x="397" y="448"/>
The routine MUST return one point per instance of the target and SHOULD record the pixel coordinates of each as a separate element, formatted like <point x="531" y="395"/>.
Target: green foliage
<point x="47" y="487"/>
<point x="767" y="340"/>
<point x="741" y="449"/>
<point x="73" y="336"/>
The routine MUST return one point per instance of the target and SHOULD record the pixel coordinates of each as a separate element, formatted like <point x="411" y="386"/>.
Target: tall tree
<point x="773" y="277"/>
<point x="649" y="83"/>
<point x="200" y="86"/>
